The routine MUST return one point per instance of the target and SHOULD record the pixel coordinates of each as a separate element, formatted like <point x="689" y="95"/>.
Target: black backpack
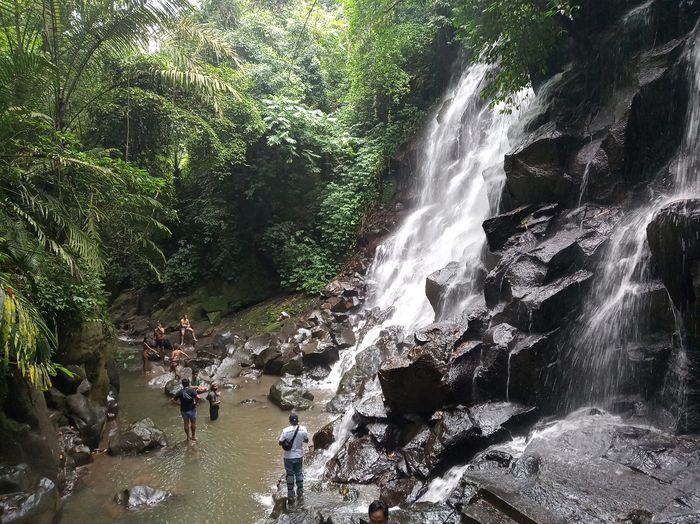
<point x="287" y="444"/>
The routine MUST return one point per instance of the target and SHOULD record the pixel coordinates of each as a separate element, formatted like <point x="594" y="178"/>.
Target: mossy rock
<point x="215" y="304"/>
<point x="214" y="318"/>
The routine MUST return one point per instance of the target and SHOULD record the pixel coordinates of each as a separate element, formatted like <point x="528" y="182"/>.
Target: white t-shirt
<point x="297" y="450"/>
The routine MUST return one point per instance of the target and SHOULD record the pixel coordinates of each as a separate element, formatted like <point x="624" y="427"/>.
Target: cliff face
<point x="589" y="298"/>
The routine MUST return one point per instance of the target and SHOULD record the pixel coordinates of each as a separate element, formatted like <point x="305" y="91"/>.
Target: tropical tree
<point x="56" y="63"/>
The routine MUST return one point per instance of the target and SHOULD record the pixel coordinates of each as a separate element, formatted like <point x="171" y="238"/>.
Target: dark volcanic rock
<point x="527" y="365"/>
<point x="360" y="461"/>
<point x="401" y="492"/>
<point x="324" y="437"/>
<point x="87" y="416"/>
<point x="536" y="169"/>
<point x="465" y="360"/>
<point x="425" y="368"/>
<point x="438" y="284"/>
<point x="317" y="353"/>
<point x="139" y="437"/>
<point x="542" y="308"/>
<point x="503" y="230"/>
<point x="674" y="240"/>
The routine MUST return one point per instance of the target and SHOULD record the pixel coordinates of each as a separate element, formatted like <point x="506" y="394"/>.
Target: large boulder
<point x="362" y="462"/>
<point x="536" y="169"/>
<point x="425" y="367"/>
<point x="226" y="373"/>
<point x="87" y="416"/>
<point x="317" y="353"/>
<point x="141" y="497"/>
<point x="528" y="362"/>
<point x="290" y="394"/>
<point x="438" y="285"/>
<point x="139" y="437"/>
<point x="37" y="505"/>
<point x="674" y="240"/>
<point x="501" y="229"/>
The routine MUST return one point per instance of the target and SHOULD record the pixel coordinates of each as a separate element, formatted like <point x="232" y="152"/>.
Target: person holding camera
<point x="292" y="440"/>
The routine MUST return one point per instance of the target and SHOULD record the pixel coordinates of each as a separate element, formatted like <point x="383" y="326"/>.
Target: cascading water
<point x="618" y="314"/>
<point x="463" y="145"/>
<point x="459" y="166"/>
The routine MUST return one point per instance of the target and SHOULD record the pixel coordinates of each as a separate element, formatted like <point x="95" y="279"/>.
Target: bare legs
<point x="190" y="425"/>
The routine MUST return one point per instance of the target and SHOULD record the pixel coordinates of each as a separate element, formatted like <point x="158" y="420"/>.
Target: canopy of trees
<point x="145" y="141"/>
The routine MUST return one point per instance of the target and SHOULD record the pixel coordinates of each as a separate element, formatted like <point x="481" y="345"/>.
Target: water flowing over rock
<point x="499" y="311"/>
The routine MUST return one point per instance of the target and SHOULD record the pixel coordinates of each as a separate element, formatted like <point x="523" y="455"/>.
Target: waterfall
<point x="463" y="145"/>
<point x="618" y="312"/>
<point x="460" y="164"/>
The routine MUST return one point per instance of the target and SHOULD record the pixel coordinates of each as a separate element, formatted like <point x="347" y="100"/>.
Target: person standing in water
<point x="213" y="398"/>
<point x="187" y="399"/>
<point x="146" y="353"/>
<point x="292" y="440"/>
<point x="185" y="328"/>
<point x="162" y="343"/>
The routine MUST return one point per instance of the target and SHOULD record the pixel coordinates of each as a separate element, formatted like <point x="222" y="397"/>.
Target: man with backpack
<point x="187" y="398"/>
<point x="292" y="440"/>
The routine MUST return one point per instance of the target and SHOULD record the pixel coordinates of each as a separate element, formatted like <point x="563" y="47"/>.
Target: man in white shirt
<point x="292" y="440"/>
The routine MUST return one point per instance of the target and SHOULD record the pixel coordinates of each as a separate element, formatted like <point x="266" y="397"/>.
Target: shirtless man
<point x="176" y="356"/>
<point x="185" y="327"/>
<point x="159" y="336"/>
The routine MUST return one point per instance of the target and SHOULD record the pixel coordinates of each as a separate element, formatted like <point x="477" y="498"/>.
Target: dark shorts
<point x="160" y="343"/>
<point x="213" y="412"/>
<point x="189" y="414"/>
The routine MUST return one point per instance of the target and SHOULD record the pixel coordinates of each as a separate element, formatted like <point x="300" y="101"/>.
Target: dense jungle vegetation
<point x="146" y="142"/>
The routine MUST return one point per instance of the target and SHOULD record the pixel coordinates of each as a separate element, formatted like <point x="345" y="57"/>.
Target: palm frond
<point x="26" y="342"/>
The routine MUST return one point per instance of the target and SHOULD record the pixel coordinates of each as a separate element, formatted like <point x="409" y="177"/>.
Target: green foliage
<point x="301" y="261"/>
<point x="518" y="35"/>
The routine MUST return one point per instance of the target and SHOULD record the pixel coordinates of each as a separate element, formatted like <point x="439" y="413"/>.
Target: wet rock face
<point x="674" y="243"/>
<point x="424" y="367"/>
<point x="141" y="497"/>
<point x="536" y="169"/>
<point x="674" y="240"/>
<point x="139" y="437"/>
<point x="589" y="467"/>
<point x="361" y="462"/>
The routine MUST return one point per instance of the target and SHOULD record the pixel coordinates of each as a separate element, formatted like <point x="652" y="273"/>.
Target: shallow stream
<point x="227" y="476"/>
